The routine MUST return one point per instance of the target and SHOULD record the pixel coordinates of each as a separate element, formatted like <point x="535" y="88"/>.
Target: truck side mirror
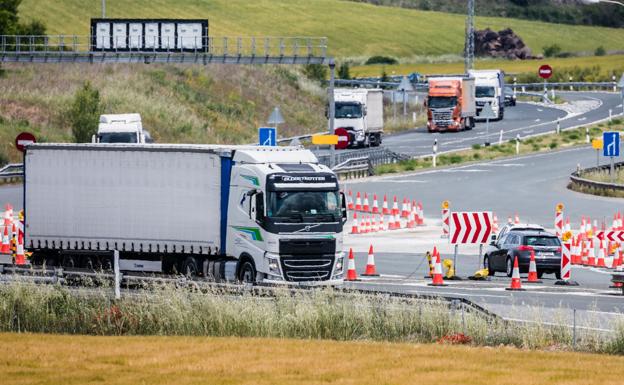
<point x="259" y="203"/>
<point x="343" y="207"/>
<point x="364" y="111"/>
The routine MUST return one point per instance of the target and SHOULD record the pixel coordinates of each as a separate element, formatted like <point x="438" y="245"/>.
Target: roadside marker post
<point x="621" y="85"/>
<point x="559" y="219"/>
<point x="566" y="261"/>
<point x="445" y="219"/>
<point x="117" y="274"/>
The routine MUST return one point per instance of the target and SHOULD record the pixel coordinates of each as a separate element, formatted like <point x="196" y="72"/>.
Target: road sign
<point x="276" y="117"/>
<point x="611" y="144"/>
<point x="472" y="227"/>
<point x="24" y="139"/>
<point x="487" y="112"/>
<point x="545" y="71"/>
<point x="343" y="138"/>
<point x="325" y="139"/>
<point x="597" y="144"/>
<point x="405" y="85"/>
<point x="267" y="136"/>
<point x="612" y="236"/>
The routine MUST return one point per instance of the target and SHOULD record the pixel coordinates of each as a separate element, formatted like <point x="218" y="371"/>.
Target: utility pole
<point x="470" y="35"/>
<point x="103" y="9"/>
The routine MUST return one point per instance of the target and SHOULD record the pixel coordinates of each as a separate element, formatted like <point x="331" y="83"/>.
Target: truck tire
<point x="247" y="272"/>
<point x="189" y="267"/>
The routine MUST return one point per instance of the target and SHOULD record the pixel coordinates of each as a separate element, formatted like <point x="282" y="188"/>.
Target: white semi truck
<point x="121" y="128"/>
<point x="490" y="88"/>
<point x="248" y="213"/>
<point x="359" y="111"/>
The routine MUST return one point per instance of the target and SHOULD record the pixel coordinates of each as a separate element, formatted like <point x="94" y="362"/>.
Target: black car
<point x="546" y="246"/>
<point x="510" y="97"/>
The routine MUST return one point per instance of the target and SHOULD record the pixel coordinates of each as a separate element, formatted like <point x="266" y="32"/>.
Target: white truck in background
<point x="247" y="213"/>
<point x="359" y="111"/>
<point x="121" y="128"/>
<point x="490" y="88"/>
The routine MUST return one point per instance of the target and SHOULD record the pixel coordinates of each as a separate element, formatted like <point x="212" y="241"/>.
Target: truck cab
<point x="360" y="113"/>
<point x="450" y="104"/>
<point x="489" y="88"/>
<point x="121" y="128"/>
<point x="286" y="218"/>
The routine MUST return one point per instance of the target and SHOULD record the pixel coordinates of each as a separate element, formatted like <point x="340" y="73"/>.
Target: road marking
<point x="538" y="120"/>
<point x="539" y="110"/>
<point x="582" y="119"/>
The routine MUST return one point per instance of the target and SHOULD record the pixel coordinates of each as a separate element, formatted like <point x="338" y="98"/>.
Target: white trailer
<point x="360" y="112"/>
<point x="270" y="214"/>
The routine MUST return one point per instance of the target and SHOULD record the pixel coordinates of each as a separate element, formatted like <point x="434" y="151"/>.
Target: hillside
<point x="186" y="104"/>
<point x="353" y="29"/>
<point x="552" y="11"/>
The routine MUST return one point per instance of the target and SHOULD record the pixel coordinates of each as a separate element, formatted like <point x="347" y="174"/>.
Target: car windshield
<point x="442" y="102"/>
<point x="508" y="91"/>
<point x="540" y="240"/>
<point x="484" y="92"/>
<point x="118" y="137"/>
<point x="348" y="110"/>
<point x="314" y="205"/>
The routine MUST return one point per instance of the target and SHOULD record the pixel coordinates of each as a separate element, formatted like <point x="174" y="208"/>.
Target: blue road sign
<point x="611" y="143"/>
<point x="267" y="136"/>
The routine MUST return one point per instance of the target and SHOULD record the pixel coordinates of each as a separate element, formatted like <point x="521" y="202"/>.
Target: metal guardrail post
<point x="117" y="274"/>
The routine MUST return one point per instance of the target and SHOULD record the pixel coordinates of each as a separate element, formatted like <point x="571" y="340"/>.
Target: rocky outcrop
<point x="502" y="44"/>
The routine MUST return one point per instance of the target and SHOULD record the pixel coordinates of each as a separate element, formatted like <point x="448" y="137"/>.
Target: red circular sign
<point x="24" y="139"/>
<point x="343" y="138"/>
<point x="545" y="71"/>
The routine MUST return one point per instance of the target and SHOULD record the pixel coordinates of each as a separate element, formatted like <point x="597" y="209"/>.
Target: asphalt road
<point x="524" y="119"/>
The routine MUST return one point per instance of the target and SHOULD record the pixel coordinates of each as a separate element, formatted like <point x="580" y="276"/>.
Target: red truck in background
<point x="451" y="103"/>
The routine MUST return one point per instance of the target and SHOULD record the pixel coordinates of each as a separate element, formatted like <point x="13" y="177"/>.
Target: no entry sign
<point x="343" y="138"/>
<point x="545" y="71"/>
<point x="23" y="139"/>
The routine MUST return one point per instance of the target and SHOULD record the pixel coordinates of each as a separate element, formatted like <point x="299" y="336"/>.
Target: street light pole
<point x="103" y="9"/>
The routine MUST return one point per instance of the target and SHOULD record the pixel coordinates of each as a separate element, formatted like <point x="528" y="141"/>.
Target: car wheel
<point x="189" y="267"/>
<point x="558" y="274"/>
<point x="509" y="267"/>
<point x="247" y="273"/>
<point x="486" y="265"/>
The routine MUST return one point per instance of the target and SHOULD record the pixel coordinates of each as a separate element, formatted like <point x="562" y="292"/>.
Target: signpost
<point x="470" y="228"/>
<point x="611" y="148"/>
<point x="24" y="139"/>
<point x="267" y="136"/>
<point x="597" y="145"/>
<point x="488" y="113"/>
<point x="545" y="72"/>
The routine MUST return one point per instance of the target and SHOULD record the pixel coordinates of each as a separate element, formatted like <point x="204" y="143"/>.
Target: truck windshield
<point x="118" y="137"/>
<point x="348" y="110"/>
<point x="485" y="92"/>
<point x="442" y="102"/>
<point x="315" y="206"/>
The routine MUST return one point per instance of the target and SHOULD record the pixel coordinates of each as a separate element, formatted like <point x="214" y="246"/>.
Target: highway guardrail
<point x="577" y="179"/>
<point x="12" y="172"/>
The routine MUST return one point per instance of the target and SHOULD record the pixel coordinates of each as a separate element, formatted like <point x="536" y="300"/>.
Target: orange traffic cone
<point x="6" y="247"/>
<point x="397" y="221"/>
<point x="366" y="207"/>
<point x="358" y="202"/>
<point x="421" y="215"/>
<point x="591" y="256"/>
<point x="384" y="209"/>
<point x="375" y="204"/>
<point x="515" y="277"/>
<point x="437" y="272"/>
<point x="370" y="264"/>
<point x="404" y="212"/>
<point x="350" y="201"/>
<point x="517" y="219"/>
<point x="533" y="270"/>
<point x="354" y="226"/>
<point x="351" y="273"/>
<point x="395" y="206"/>
<point x="600" y="261"/>
<point x="20" y="258"/>
<point x="382" y="225"/>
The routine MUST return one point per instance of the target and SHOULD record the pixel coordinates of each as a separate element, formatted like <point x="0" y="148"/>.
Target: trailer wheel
<point x="247" y="273"/>
<point x="68" y="261"/>
<point x="189" y="267"/>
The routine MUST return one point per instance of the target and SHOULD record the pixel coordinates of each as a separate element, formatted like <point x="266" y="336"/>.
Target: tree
<point x="316" y="72"/>
<point x="84" y="113"/>
<point x="8" y="16"/>
<point x="343" y="71"/>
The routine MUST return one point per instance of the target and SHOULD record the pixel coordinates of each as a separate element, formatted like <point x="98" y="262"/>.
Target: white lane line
<point x="538" y="120"/>
<point x="582" y="119"/>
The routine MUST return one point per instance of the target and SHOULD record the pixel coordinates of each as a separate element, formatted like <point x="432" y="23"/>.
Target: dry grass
<point x="54" y="359"/>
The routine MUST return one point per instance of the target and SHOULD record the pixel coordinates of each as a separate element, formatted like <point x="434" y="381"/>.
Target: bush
<point x="553" y="145"/>
<point x="600" y="51"/>
<point x="476" y="146"/>
<point x="316" y="72"/>
<point x="381" y="60"/>
<point x="551" y="50"/>
<point x="343" y="71"/>
<point x="84" y="113"/>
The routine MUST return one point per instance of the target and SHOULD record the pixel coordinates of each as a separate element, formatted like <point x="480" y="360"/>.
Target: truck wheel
<point x="189" y="267"/>
<point x="68" y="262"/>
<point x="247" y="273"/>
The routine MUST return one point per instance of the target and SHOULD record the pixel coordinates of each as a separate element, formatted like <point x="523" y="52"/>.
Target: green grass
<point x="478" y="152"/>
<point x="353" y="29"/>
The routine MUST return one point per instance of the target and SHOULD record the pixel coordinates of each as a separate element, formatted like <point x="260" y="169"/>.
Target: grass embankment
<point x="315" y="314"/>
<point x="178" y="104"/>
<point x="353" y="29"/>
<point x="609" y="65"/>
<point x="49" y="359"/>
<point x="479" y="153"/>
